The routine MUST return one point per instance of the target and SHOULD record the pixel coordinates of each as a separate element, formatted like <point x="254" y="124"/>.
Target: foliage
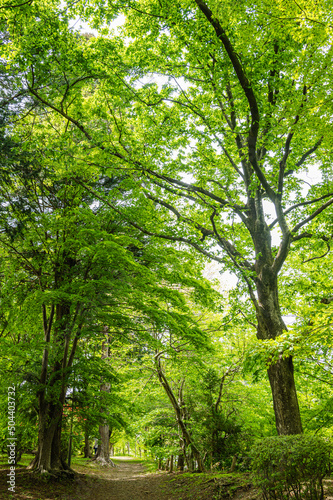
<point x="291" y="466"/>
<point x="200" y="130"/>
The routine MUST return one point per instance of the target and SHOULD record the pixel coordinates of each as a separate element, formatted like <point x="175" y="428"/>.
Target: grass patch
<point x="133" y="460"/>
<point x="212" y="486"/>
<point x="24" y="461"/>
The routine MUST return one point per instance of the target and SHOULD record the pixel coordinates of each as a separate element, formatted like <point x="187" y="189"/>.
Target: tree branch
<point x="194" y="189"/>
<point x="319" y="256"/>
<point x="312" y="216"/>
<point x="308" y="153"/>
<point x="230" y="249"/>
<point x="242" y="78"/>
<point x="13" y="6"/>
<point x="248" y="91"/>
<point x="205" y="232"/>
<point x="301" y="204"/>
<point x="150" y="233"/>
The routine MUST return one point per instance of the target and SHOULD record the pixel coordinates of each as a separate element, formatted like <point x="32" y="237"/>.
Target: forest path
<point x="127" y="481"/>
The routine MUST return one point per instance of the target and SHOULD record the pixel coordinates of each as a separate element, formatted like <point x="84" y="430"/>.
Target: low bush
<point x="285" y="467"/>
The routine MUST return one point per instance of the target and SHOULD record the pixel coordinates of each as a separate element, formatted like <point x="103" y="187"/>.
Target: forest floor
<point x="130" y="480"/>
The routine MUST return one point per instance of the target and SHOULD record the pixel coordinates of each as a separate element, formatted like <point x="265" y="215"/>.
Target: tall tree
<point x="232" y="140"/>
<point x="221" y="144"/>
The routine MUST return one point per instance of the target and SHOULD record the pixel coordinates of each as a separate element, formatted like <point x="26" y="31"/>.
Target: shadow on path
<point x="127" y="481"/>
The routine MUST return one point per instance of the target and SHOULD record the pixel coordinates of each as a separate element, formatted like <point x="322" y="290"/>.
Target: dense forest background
<point x="166" y="199"/>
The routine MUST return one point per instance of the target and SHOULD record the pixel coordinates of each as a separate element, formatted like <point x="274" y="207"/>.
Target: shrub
<point x="287" y="467"/>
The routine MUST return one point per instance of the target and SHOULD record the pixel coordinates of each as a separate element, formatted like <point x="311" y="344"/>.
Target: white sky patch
<point x="226" y="280"/>
<point x="289" y="319"/>
<point x="310" y="178"/>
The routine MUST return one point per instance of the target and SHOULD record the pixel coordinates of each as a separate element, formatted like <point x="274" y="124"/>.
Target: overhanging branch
<point x="301" y="204"/>
<point x="312" y="216"/>
<point x="179" y="239"/>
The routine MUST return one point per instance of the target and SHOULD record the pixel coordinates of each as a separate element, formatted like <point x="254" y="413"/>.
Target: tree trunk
<point x="48" y="457"/>
<point x="233" y="463"/>
<point x="49" y="454"/>
<point x="280" y="373"/>
<point x="287" y="415"/>
<point x="103" y="452"/>
<point x="185" y="434"/>
<point x="86" y="450"/>
<point x="180" y="462"/>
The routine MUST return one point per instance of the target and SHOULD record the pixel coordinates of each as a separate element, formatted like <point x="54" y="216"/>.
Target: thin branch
<point x="312" y="216"/>
<point x="319" y="256"/>
<point x="301" y="236"/>
<point x="301" y="204"/>
<point x="229" y="248"/>
<point x="283" y="162"/>
<point x="224" y="376"/>
<point x="308" y="153"/>
<point x="72" y="120"/>
<point x="205" y="232"/>
<point x="192" y="188"/>
<point x="247" y="320"/>
<point x="13" y="6"/>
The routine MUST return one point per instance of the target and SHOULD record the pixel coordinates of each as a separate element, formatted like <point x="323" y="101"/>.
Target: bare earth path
<point x="127" y="481"/>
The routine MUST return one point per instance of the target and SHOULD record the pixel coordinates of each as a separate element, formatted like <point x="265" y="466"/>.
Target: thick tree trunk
<point x="287" y="415"/>
<point x="280" y="373"/>
<point x="49" y="457"/>
<point x="49" y="454"/>
<point x="180" y="462"/>
<point x="103" y="452"/>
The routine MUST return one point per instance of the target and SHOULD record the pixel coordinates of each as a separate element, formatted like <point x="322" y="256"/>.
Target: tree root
<point x="104" y="462"/>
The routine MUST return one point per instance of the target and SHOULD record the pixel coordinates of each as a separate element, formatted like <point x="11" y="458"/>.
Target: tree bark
<point x="287" y="415"/>
<point x="49" y="457"/>
<point x="180" y="462"/>
<point x="49" y="454"/>
<point x="271" y="326"/>
<point x="103" y="452"/>
<point x="233" y="463"/>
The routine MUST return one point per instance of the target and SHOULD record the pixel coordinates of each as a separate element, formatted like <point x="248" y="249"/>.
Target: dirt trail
<point x="127" y="481"/>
